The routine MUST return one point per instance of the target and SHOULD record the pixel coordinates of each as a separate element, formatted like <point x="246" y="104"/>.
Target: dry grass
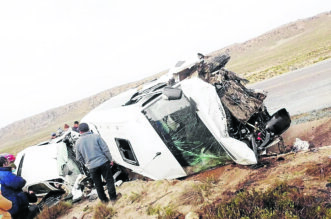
<point x="103" y="211"/>
<point x="136" y="197"/>
<point x="151" y="210"/>
<point x="197" y="193"/>
<point x="321" y="170"/>
<point x="54" y="212"/>
<point x="298" y="181"/>
<point x="286" y="66"/>
<point x="167" y="212"/>
<point x="284" y="49"/>
<point x="192" y="196"/>
<point x="207" y="185"/>
<point x="280" y="201"/>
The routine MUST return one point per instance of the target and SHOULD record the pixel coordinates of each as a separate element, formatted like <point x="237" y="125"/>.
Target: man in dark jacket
<point x="94" y="153"/>
<point x="11" y="188"/>
<point x="75" y="127"/>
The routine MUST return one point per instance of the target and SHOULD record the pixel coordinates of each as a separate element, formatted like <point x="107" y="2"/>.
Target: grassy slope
<point x="205" y="192"/>
<point x="286" y="48"/>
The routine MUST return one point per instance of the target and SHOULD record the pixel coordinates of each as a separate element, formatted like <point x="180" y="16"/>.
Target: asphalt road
<point x="299" y="91"/>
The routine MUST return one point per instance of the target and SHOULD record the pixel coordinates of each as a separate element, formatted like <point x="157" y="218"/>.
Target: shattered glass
<point x="186" y="136"/>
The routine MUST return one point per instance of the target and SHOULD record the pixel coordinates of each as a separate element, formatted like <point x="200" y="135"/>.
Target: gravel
<point x="311" y="116"/>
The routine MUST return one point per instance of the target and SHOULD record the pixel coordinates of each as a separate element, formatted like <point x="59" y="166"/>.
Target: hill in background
<point x="289" y="47"/>
<point x="18" y="135"/>
<point x="283" y="49"/>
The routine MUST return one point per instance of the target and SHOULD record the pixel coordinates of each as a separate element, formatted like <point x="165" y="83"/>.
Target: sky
<point x="55" y="52"/>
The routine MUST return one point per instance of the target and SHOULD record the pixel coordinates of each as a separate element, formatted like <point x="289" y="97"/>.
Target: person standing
<point x="66" y="127"/>
<point x="75" y="127"/>
<point x="94" y="153"/>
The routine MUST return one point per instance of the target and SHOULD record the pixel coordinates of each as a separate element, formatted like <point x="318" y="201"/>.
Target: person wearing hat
<point x="53" y="135"/>
<point x="94" y="153"/>
<point x="66" y="127"/>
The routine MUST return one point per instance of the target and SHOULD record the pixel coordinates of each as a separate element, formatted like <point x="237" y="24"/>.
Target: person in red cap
<point x="11" y="158"/>
<point x="66" y="127"/>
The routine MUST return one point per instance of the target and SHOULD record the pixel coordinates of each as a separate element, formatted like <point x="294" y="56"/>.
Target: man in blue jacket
<point x="94" y="153"/>
<point x="11" y="188"/>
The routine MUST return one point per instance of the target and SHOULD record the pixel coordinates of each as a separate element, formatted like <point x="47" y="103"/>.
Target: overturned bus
<point x="168" y="129"/>
<point x="167" y="132"/>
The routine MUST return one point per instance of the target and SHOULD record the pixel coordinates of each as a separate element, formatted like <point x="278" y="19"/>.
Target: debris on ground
<point x="300" y="145"/>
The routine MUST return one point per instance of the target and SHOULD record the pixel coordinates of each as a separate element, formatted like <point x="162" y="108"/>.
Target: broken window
<point x="184" y="133"/>
<point x="126" y="151"/>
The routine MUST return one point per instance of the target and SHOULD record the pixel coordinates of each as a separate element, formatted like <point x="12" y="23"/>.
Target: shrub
<point x="192" y="196"/>
<point x="153" y="210"/>
<point x="280" y="201"/>
<point x="103" y="211"/>
<point x="321" y="170"/>
<point x="212" y="180"/>
<point x="167" y="212"/>
<point x="133" y="197"/>
<point x="55" y="211"/>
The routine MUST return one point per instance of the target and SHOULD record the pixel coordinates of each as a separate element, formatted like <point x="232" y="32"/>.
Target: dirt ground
<point x="223" y="182"/>
<point x="316" y="132"/>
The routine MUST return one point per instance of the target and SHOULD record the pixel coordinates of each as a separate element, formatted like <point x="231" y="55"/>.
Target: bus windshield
<point x="184" y="133"/>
